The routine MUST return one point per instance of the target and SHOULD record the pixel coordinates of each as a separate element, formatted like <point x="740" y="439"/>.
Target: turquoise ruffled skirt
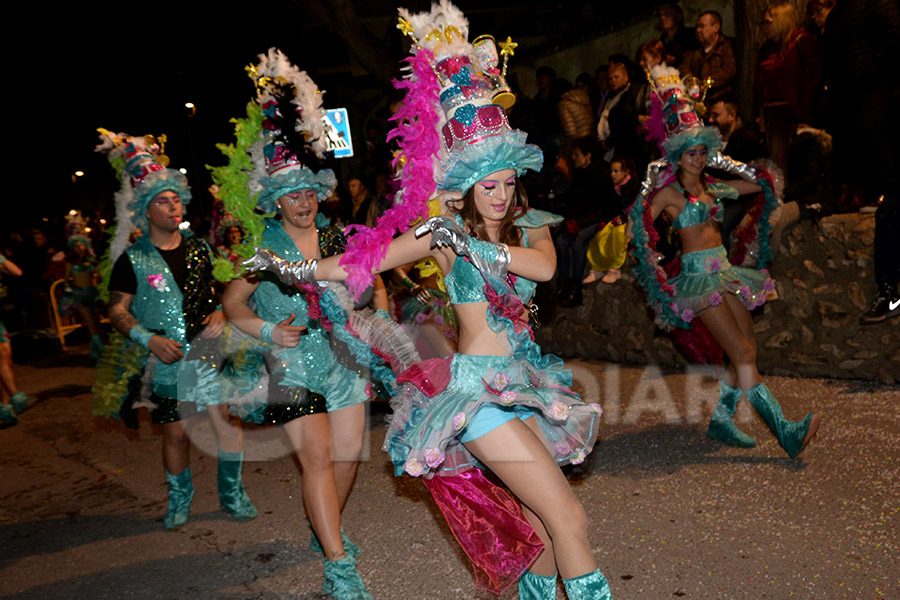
<point x="706" y="276"/>
<point x="426" y="433"/>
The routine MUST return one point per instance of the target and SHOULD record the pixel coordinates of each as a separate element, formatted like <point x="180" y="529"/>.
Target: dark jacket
<point x="719" y="63"/>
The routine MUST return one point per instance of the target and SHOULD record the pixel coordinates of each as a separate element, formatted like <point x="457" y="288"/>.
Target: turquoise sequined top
<point x="465" y="284"/>
<point x="312" y="363"/>
<point x="696" y="211"/>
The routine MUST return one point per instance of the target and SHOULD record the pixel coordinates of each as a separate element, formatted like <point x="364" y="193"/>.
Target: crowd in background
<point x="823" y="88"/>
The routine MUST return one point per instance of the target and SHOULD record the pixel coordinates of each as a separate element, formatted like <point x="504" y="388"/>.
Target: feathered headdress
<point x="142" y="168"/>
<point x="452" y="127"/>
<point x="293" y="140"/>
<point x="673" y="122"/>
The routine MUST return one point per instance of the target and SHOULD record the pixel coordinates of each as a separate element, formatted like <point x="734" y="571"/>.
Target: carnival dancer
<point x="162" y="301"/>
<point x="80" y="294"/>
<point x="12" y="400"/>
<point x="708" y="286"/>
<point x="498" y="403"/>
<point x="316" y="398"/>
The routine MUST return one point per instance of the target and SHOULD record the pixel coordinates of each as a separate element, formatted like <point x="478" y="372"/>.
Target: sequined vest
<point x="160" y="306"/>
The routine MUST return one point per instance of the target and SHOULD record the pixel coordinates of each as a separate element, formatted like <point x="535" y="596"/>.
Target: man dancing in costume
<point x="161" y="299"/>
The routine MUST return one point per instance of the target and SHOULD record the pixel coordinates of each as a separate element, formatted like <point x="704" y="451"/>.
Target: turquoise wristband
<point x="265" y="332"/>
<point x="140" y="335"/>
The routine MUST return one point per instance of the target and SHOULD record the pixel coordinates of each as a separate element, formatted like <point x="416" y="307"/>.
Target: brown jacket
<point x="719" y="63"/>
<point x="575" y="114"/>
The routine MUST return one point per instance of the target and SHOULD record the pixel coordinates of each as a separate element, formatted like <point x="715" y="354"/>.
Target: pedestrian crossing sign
<point x="337" y="133"/>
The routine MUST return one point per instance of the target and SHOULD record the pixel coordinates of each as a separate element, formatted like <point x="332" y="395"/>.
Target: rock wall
<point x="824" y="280"/>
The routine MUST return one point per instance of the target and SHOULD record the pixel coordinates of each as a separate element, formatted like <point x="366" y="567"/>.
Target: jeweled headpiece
<point x="674" y="122"/>
<point x="142" y="166"/>
<point x="473" y="95"/>
<point x="293" y="138"/>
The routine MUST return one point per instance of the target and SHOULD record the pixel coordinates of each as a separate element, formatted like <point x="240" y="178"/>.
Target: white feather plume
<point x="307" y="95"/>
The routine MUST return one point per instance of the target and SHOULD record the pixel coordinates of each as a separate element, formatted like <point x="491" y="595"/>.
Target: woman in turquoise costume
<point x="80" y="294"/>
<point x="161" y="303"/>
<point x="12" y="401"/>
<point x="316" y="398"/>
<point x="708" y="286"/>
<point x="498" y="403"/>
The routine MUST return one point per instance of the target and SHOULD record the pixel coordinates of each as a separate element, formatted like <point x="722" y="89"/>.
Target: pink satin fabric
<point x="489" y="525"/>
<point x="430" y="376"/>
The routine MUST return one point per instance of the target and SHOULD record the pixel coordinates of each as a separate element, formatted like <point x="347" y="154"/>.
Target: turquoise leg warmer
<point x="352" y="550"/>
<point x="19" y="402"/>
<point x="592" y="586"/>
<point x="342" y="580"/>
<point x="232" y="497"/>
<point x="721" y="425"/>
<point x="537" y="587"/>
<point x="792" y="435"/>
<point x="181" y="493"/>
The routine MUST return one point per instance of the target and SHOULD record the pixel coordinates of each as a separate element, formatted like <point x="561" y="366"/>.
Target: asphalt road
<point x="672" y="514"/>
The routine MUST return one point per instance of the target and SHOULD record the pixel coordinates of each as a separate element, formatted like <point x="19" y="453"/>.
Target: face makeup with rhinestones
<point x="693" y="160"/>
<point x="299" y="208"/>
<point x="165" y="211"/>
<point x="495" y="193"/>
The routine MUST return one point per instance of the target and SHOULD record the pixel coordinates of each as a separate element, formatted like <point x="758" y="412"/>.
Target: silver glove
<point x="445" y="232"/>
<point x="290" y="273"/>
<point x="747" y="172"/>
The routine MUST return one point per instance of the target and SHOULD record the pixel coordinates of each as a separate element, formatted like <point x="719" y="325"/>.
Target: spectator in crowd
<point x="618" y="126"/>
<point x="543" y="108"/>
<point x="862" y="50"/>
<point x="574" y="110"/>
<point x="606" y="251"/>
<point x="818" y="11"/>
<point x="650" y="54"/>
<point x="714" y="58"/>
<point x="740" y="142"/>
<point x="584" y="209"/>
<point x="600" y="92"/>
<point x="676" y="38"/>
<point x="789" y="64"/>
<point x="362" y="207"/>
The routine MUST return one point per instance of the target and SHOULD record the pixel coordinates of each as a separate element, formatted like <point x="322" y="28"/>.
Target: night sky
<point x="131" y="67"/>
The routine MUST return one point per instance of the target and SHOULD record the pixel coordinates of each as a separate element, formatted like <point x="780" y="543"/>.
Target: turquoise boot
<point x="792" y="435"/>
<point x="19" y="401"/>
<point x="537" y="587"/>
<point x="592" y="586"/>
<point x="721" y="425"/>
<point x="181" y="492"/>
<point x="232" y="497"/>
<point x="8" y="415"/>
<point x="352" y="550"/>
<point x="342" y="580"/>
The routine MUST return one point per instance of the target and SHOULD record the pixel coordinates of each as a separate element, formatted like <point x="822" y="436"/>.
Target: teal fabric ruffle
<point x="706" y="276"/>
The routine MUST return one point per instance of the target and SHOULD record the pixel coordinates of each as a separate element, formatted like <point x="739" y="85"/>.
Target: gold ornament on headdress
<point x="507" y="49"/>
<point x="406" y="28"/>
